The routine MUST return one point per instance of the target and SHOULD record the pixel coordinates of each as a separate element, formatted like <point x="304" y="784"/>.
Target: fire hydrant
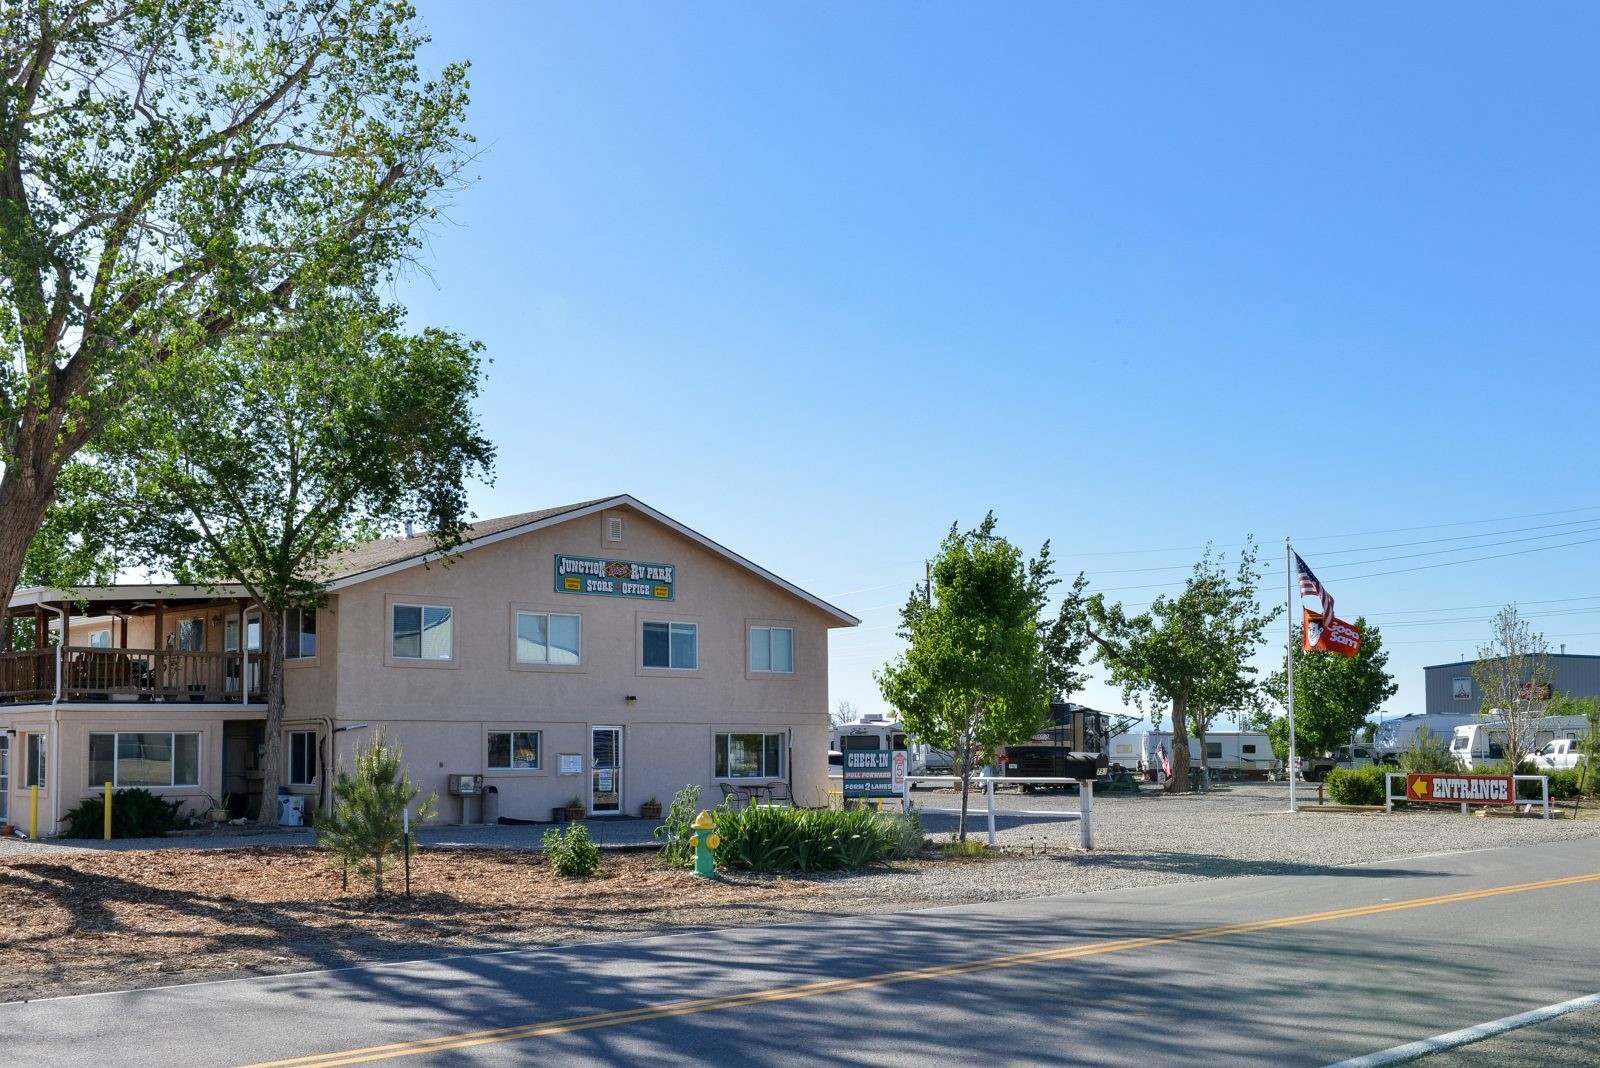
<point x="705" y="839"/>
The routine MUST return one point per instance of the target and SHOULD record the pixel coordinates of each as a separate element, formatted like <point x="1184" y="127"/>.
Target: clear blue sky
<point x="820" y="280"/>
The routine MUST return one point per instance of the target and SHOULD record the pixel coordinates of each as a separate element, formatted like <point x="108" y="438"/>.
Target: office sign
<point x="614" y="578"/>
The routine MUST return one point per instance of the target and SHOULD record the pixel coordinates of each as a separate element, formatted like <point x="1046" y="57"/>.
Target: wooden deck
<point x="98" y="674"/>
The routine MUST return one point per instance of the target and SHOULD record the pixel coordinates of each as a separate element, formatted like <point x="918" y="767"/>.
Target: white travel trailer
<point x="1245" y="751"/>
<point x="1396" y="735"/>
<point x="874" y="730"/>
<point x="1484" y="742"/>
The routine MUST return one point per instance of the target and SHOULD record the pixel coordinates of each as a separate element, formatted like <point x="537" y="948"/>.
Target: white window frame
<point x="311" y="758"/>
<point x="100" y="639"/>
<point x="116" y="758"/>
<point x="511" y="748"/>
<point x="35" y="761"/>
<point x="516" y="637"/>
<point x="423" y="607"/>
<point x="671" y="625"/>
<point x="722" y="760"/>
<point x="751" y="641"/>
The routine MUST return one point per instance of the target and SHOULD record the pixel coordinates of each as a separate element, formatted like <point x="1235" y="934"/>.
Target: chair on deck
<point x="777" y="793"/>
<point x="733" y="796"/>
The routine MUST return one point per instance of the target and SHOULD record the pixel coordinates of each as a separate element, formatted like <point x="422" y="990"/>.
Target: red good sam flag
<point x="1339" y="637"/>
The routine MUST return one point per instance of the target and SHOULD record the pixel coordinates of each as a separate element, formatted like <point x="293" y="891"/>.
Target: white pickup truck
<point x="1560" y="753"/>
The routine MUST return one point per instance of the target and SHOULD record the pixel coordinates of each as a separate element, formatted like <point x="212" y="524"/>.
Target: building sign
<point x="614" y="578"/>
<point x="1461" y="789"/>
<point x="869" y="773"/>
<point x="1461" y="688"/>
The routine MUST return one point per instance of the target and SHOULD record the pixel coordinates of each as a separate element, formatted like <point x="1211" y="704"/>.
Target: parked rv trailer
<point x="1244" y="751"/>
<point x="876" y="731"/>
<point x="1071" y="746"/>
<point x="1395" y="736"/>
<point x="1484" y="742"/>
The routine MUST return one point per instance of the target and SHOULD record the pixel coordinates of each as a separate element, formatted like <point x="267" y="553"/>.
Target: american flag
<point x="1310" y="587"/>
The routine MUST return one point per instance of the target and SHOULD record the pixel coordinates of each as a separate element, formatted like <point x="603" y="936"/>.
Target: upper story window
<point x="300" y="633"/>
<point x="671" y="645"/>
<point x="422" y="632"/>
<point x="549" y="638"/>
<point x="772" y="649"/>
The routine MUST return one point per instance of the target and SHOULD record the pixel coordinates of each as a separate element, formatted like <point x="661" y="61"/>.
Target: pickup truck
<point x="1560" y="753"/>
<point x="1316" y="768"/>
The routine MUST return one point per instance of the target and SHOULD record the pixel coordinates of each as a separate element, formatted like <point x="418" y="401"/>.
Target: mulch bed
<point x="100" y="921"/>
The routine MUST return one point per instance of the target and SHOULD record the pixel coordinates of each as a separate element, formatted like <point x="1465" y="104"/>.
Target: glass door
<point x="5" y="778"/>
<point x="606" y="771"/>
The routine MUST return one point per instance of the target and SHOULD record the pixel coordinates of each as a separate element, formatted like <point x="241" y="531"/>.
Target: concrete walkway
<point x="613" y="832"/>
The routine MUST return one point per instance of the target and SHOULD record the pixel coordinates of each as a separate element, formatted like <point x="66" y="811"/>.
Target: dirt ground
<point x="105" y="921"/>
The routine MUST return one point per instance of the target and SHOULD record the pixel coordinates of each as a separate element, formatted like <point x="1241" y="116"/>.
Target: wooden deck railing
<point x="128" y="674"/>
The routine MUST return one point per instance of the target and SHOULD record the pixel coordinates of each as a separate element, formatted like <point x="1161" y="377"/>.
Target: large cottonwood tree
<point x="265" y="458"/>
<point x="173" y="173"/>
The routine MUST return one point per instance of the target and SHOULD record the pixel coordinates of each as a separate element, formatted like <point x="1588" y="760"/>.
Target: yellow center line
<point x="908" y="975"/>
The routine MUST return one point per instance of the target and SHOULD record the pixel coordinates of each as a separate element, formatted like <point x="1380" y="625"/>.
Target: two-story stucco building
<point x="602" y="651"/>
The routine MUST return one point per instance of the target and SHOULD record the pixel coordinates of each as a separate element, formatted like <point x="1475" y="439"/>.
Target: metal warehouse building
<point x="1451" y="687"/>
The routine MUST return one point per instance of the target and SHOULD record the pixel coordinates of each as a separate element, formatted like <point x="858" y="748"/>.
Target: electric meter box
<point x="465" y="785"/>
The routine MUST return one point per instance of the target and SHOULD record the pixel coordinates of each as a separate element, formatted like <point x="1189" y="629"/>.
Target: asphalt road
<point x="1280" y="970"/>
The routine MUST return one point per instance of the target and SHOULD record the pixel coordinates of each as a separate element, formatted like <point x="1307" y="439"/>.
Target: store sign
<point x="614" y="578"/>
<point x="869" y="773"/>
<point x="1461" y="688"/>
<point x="1462" y="789"/>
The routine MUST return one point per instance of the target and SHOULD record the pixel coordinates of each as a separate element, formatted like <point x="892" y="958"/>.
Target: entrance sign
<point x="1461" y="789"/>
<point x="614" y="578"/>
<point x="869" y="773"/>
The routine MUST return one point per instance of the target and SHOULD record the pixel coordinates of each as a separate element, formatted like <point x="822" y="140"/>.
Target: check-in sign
<point x="868" y="773"/>
<point x="1462" y="789"/>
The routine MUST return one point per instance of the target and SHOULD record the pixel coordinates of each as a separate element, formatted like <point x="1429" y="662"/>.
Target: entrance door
<point x="5" y="778"/>
<point x="606" y="771"/>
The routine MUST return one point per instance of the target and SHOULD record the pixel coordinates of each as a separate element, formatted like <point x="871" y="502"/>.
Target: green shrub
<point x="1429" y="753"/>
<point x="772" y="839"/>
<point x="904" y="831"/>
<point x="572" y="854"/>
<point x="966" y="849"/>
<point x="677" y="826"/>
<point x="1357" y="786"/>
<point x="135" y="813"/>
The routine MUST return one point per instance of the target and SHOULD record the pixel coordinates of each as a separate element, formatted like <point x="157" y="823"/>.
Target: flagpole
<point x="1288" y="598"/>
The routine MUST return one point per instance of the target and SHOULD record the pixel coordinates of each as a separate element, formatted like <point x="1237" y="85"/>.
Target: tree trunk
<point x="1179" y="782"/>
<point x="1205" y="759"/>
<point x="377" y="875"/>
<point x="25" y="497"/>
<point x="272" y="764"/>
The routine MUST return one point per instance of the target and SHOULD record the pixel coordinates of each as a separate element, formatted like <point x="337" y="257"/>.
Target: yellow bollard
<point x="108" y="812"/>
<point x="33" y="820"/>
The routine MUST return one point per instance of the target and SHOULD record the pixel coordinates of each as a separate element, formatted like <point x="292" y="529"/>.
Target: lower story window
<point x="513" y="750"/>
<point x="302" y="757"/>
<point x="145" y="759"/>
<point x="749" y="756"/>
<point x="33" y="758"/>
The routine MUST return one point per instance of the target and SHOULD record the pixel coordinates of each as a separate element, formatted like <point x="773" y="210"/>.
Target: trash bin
<point x="491" y="804"/>
<point x="291" y="810"/>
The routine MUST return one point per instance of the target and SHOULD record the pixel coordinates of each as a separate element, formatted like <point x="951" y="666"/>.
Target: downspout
<point x="325" y="789"/>
<point x="53" y="767"/>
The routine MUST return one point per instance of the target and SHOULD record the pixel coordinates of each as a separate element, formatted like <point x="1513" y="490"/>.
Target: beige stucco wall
<point x="441" y="712"/>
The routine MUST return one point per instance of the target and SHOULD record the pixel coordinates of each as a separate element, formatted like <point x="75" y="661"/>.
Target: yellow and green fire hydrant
<point x="704" y="839"/>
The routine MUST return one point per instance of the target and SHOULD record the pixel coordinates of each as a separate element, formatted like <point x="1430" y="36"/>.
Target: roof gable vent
<point x="613" y="528"/>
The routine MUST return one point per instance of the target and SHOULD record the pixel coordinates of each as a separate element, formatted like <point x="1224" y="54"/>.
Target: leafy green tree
<point x="265" y="458"/>
<point x="978" y="673"/>
<point x="174" y="173"/>
<point x="1513" y="673"/>
<point x="1189" y="652"/>
<point x="1589" y="745"/>
<point x="1334" y="695"/>
<point x="366" y="825"/>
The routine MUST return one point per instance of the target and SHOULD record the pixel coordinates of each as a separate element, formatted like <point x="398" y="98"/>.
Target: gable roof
<point x="386" y="556"/>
